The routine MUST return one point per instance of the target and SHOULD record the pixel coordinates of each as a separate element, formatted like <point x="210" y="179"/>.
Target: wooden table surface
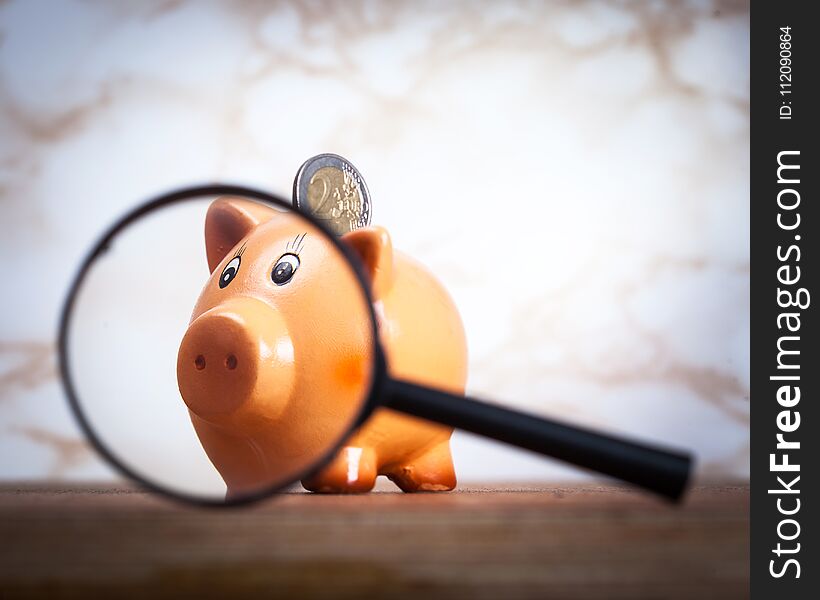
<point x="479" y="542"/>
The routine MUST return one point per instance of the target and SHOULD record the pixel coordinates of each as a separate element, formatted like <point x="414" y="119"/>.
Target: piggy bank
<point x="260" y="380"/>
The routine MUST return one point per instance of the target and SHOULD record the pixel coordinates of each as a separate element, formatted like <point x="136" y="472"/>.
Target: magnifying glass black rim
<point x="101" y="246"/>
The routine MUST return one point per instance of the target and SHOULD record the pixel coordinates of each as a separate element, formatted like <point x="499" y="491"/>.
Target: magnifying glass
<point x="223" y="370"/>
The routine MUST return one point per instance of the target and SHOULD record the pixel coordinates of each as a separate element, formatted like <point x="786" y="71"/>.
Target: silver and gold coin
<point x="330" y="188"/>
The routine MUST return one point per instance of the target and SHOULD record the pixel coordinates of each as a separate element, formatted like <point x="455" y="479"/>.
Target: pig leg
<point x="353" y="470"/>
<point x="431" y="471"/>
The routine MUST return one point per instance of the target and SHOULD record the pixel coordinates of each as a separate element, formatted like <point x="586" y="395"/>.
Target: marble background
<point x="576" y="173"/>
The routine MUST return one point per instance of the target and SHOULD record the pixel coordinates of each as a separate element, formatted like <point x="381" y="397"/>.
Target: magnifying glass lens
<point x="219" y="348"/>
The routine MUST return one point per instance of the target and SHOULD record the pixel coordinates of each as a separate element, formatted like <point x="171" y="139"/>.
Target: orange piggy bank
<point x="261" y="376"/>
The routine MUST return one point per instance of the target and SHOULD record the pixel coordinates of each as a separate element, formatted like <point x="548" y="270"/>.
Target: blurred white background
<point x="576" y="173"/>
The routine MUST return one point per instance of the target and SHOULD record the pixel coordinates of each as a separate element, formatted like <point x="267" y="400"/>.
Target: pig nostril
<point x="199" y="362"/>
<point x="230" y="362"/>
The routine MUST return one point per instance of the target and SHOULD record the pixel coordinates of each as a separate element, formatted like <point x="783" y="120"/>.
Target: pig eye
<point x="231" y="269"/>
<point x="284" y="268"/>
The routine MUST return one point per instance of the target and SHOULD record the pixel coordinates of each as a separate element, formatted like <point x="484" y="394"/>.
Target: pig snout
<point x="235" y="360"/>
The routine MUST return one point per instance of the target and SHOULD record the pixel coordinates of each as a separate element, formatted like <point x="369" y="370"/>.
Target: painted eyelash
<point x="240" y="251"/>
<point x="295" y="246"/>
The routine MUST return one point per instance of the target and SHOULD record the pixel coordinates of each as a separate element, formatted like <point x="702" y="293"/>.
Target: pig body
<point x="276" y="357"/>
<point x="423" y="338"/>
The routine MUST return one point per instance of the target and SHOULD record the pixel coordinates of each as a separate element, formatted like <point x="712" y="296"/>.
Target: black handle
<point x="664" y="472"/>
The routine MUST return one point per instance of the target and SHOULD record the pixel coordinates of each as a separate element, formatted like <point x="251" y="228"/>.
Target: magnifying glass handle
<point x="663" y="472"/>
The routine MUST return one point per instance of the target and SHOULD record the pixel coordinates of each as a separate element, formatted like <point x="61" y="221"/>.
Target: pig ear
<point x="374" y="248"/>
<point x="228" y="221"/>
